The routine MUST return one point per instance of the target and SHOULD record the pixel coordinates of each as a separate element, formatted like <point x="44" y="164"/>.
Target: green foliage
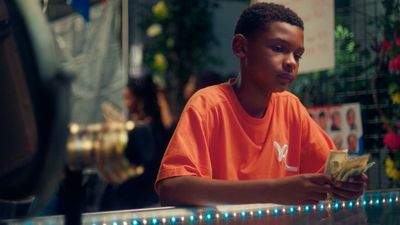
<point x="388" y="57"/>
<point x="322" y="87"/>
<point x="179" y="38"/>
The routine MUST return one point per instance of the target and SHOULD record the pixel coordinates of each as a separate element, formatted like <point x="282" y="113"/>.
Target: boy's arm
<point x="192" y="190"/>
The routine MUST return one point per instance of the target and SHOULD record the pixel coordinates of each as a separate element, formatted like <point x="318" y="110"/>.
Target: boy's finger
<point x="364" y="177"/>
<point x="326" y="188"/>
<point x="346" y="195"/>
<point x="348" y="186"/>
<point x="321" y="179"/>
<point x="359" y="178"/>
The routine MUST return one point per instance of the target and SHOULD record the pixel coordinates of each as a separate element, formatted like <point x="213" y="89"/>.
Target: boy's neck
<point x="253" y="100"/>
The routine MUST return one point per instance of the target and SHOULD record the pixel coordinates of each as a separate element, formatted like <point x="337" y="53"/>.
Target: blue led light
<point x="208" y="216"/>
<point x="390" y="200"/>
<point x="191" y="218"/>
<point x="364" y="202"/>
<point x="276" y="211"/>
<point x="377" y="201"/>
<point x="115" y="223"/>
<point x="350" y="204"/>
<point x="173" y="219"/>
<point x="307" y="208"/>
<point x="243" y="213"/>
<point x="226" y="215"/>
<point x="135" y="222"/>
<point x="336" y="205"/>
<point x="291" y="209"/>
<point x="321" y="207"/>
<point x="259" y="212"/>
<point x="154" y="221"/>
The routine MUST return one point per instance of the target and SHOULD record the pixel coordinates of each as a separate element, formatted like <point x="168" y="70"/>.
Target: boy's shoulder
<point x="209" y="97"/>
<point x="289" y="102"/>
<point x="221" y="95"/>
<point x="286" y="95"/>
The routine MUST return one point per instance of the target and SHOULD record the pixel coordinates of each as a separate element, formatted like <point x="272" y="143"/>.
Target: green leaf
<point x="392" y="88"/>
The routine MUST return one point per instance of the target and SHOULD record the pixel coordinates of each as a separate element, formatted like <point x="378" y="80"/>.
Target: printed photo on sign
<point x="342" y="123"/>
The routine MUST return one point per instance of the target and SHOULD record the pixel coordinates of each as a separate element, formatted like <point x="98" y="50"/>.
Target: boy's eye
<point x="277" y="48"/>
<point x="297" y="57"/>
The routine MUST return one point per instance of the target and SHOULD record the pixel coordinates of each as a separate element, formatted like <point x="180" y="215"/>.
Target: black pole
<point x="73" y="196"/>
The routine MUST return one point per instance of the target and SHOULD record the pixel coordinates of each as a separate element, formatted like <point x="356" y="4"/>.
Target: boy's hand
<point x="350" y="189"/>
<point x="303" y="189"/>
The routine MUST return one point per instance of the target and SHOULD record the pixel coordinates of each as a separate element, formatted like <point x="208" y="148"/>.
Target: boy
<point x="247" y="140"/>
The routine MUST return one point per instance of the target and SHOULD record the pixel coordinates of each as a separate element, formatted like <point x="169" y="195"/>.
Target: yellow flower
<point x="160" y="62"/>
<point x="391" y="171"/>
<point x="160" y="10"/>
<point x="389" y="163"/>
<point x="395" y="98"/>
<point x="154" y="30"/>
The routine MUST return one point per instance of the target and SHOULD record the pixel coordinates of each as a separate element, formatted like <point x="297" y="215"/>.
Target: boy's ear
<point x="239" y="46"/>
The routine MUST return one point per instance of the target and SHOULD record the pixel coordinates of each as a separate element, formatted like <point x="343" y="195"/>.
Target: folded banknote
<point x="342" y="166"/>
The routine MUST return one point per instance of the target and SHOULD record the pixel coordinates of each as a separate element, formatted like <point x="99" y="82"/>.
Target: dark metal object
<point x="34" y="95"/>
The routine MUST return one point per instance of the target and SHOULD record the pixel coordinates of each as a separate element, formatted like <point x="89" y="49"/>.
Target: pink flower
<point x="394" y="64"/>
<point x="385" y="46"/>
<point x="396" y="39"/>
<point x="392" y="141"/>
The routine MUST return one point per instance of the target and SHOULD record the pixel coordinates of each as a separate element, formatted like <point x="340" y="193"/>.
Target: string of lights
<point x="227" y="214"/>
<point x="336" y="205"/>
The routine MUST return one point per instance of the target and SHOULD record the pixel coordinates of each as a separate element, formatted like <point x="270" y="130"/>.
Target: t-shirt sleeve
<point x="316" y="145"/>
<point x="187" y="153"/>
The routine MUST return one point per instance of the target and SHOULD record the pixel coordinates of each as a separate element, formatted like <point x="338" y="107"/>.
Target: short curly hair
<point x="259" y="16"/>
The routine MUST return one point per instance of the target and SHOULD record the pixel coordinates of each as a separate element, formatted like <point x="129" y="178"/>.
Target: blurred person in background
<point x="199" y="81"/>
<point x="148" y="107"/>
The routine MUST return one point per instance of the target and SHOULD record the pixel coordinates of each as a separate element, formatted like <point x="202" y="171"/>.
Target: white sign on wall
<point x="318" y="17"/>
<point x="343" y="123"/>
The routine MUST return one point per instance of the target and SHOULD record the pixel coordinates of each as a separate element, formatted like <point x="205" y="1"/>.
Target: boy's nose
<point x="289" y="64"/>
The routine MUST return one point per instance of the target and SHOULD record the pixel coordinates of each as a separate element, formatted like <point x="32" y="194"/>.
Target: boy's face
<point x="272" y="57"/>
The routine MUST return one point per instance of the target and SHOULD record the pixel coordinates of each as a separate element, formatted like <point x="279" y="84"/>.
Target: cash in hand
<point x="341" y="166"/>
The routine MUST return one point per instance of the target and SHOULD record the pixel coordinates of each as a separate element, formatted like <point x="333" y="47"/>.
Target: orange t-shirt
<point x="216" y="138"/>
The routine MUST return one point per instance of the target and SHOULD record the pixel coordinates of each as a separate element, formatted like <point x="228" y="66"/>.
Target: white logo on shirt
<point x="282" y="153"/>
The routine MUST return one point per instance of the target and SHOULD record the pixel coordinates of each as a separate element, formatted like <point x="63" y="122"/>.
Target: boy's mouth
<point x="286" y="77"/>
